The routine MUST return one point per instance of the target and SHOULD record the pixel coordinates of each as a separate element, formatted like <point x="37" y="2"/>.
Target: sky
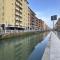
<point x="44" y="9"/>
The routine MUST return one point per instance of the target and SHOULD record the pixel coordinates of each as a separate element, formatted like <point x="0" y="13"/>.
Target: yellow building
<point x="13" y="12"/>
<point x="25" y="21"/>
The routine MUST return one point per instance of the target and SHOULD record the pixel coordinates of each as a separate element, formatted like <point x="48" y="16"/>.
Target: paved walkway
<point x="52" y="51"/>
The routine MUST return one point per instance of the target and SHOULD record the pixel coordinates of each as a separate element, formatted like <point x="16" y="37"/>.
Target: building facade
<point x="24" y="22"/>
<point x="13" y="12"/>
<point x="31" y="19"/>
<point x="7" y="10"/>
<point x="17" y="13"/>
<point x="39" y="24"/>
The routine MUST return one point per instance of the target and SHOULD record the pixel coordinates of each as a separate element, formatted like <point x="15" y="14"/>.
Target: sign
<point x="54" y="17"/>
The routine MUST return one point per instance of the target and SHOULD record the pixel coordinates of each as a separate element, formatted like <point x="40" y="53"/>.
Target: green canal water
<point x="19" y="48"/>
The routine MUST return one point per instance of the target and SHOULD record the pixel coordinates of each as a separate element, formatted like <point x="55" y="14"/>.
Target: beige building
<point x="25" y="21"/>
<point x="7" y="12"/>
<point x="13" y="12"/>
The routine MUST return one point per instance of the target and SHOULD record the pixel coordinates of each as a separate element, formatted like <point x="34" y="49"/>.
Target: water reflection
<point x="39" y="50"/>
<point x="19" y="48"/>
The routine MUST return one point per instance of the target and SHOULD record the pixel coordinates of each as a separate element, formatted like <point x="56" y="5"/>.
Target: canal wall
<point x="17" y="34"/>
<point x="52" y="51"/>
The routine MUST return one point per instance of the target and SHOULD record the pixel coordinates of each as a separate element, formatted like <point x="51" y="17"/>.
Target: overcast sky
<point x="44" y="9"/>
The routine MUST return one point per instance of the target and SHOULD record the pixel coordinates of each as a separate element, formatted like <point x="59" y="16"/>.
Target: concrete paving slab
<point x="52" y="51"/>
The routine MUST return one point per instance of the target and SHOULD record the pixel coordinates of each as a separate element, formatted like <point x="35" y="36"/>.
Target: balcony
<point x="18" y="11"/>
<point x="18" y="16"/>
<point x="18" y="20"/>
<point x="18" y="6"/>
<point x="19" y="2"/>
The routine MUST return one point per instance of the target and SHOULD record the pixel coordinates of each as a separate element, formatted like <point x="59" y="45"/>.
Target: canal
<point x="19" y="48"/>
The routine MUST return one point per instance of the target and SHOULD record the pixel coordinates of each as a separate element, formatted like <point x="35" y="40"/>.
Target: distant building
<point x="46" y="27"/>
<point x="39" y="24"/>
<point x="58" y="24"/>
<point x="36" y="24"/>
<point x="33" y="22"/>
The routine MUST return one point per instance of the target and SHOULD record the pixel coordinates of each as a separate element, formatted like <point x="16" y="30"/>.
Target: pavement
<point x="52" y="51"/>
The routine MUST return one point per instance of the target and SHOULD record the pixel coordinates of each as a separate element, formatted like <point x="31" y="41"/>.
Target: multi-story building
<point x="58" y="24"/>
<point x="39" y="24"/>
<point x="13" y="12"/>
<point x="45" y="27"/>
<point x="7" y="12"/>
<point x="31" y="19"/>
<point x="17" y="13"/>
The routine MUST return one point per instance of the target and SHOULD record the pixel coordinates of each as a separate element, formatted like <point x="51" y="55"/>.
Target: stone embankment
<point x="17" y="34"/>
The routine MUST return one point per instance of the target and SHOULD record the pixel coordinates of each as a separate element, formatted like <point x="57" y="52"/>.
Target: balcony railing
<point x="18" y="6"/>
<point x="18" y="16"/>
<point x="18" y="11"/>
<point x="18" y="20"/>
<point x="19" y="2"/>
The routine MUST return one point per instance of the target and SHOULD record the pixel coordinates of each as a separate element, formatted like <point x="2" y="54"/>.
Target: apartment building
<point x="6" y="12"/>
<point x="36" y="23"/>
<point x="31" y="19"/>
<point x="39" y="24"/>
<point x="13" y="12"/>
<point x="46" y="27"/>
